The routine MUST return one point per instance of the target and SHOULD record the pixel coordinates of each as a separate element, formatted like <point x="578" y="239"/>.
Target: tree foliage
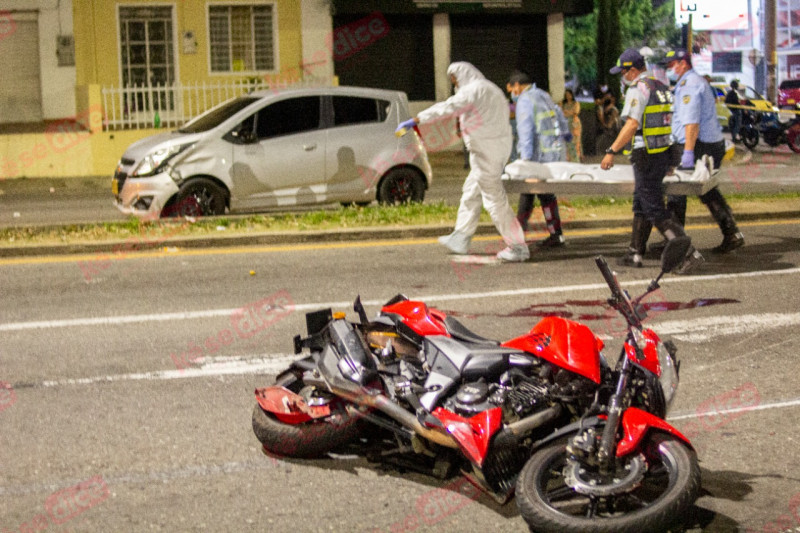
<point x="593" y="42"/>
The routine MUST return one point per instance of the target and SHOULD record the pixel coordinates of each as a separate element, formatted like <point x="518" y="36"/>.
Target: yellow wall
<point x="97" y="40"/>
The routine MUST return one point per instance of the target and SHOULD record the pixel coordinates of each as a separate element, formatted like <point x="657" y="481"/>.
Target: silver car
<point x="277" y="148"/>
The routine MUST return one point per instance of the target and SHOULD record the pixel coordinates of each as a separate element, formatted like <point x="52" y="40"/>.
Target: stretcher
<point x="577" y="178"/>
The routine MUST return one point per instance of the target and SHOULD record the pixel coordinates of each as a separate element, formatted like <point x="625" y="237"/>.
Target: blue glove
<point x="687" y="159"/>
<point x="567" y="137"/>
<point x="405" y="126"/>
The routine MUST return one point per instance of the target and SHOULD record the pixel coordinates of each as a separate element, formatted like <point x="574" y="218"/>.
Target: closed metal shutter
<point x="499" y="44"/>
<point x="20" y="85"/>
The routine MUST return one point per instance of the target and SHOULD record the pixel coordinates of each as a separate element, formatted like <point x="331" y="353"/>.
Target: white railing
<point x="169" y="106"/>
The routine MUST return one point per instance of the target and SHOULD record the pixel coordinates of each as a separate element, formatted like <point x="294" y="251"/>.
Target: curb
<point x="345" y="235"/>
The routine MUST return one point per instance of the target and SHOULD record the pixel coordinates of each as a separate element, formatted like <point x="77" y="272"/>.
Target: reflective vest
<point x="656" y="127"/>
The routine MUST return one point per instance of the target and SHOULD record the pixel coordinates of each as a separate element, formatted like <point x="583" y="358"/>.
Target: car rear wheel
<point x="199" y="197"/>
<point x="400" y="186"/>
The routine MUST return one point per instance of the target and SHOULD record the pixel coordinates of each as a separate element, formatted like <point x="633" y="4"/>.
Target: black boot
<point x="670" y="230"/>
<point x="640" y="232"/>
<point x="524" y="209"/>
<point x="553" y="221"/>
<point x="732" y="238"/>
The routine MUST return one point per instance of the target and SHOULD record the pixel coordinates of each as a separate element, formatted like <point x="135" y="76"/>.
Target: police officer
<point x="541" y="132"/>
<point x="696" y="130"/>
<point x="647" y="114"/>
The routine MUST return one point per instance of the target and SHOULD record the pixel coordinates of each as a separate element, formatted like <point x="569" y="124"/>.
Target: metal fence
<point x="170" y="106"/>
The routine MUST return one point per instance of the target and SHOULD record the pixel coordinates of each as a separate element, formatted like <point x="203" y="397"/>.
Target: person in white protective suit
<point x="483" y="115"/>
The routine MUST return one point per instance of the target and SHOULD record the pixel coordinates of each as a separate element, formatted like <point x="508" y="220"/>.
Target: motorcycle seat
<point x="459" y="331"/>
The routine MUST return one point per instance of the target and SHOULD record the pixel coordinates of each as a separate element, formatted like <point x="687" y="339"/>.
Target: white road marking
<point x="213" y="313"/>
<point x="704" y="329"/>
<point x="760" y="407"/>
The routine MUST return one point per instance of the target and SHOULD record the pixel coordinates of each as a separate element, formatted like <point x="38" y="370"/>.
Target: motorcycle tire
<point x="663" y="496"/>
<point x="749" y="137"/>
<point x="308" y="439"/>
<point x="793" y="137"/>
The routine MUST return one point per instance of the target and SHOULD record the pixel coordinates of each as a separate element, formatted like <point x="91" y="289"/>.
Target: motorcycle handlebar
<point x="602" y="264"/>
<point x="620" y="301"/>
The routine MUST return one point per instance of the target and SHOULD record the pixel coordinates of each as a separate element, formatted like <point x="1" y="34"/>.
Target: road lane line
<point x="760" y="407"/>
<point x="214" y="313"/>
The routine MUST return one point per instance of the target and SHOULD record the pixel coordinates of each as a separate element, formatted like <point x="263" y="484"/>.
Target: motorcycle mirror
<point x="674" y="252"/>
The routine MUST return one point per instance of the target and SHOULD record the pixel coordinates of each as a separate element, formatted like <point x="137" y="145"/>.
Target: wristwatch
<point x="610" y="151"/>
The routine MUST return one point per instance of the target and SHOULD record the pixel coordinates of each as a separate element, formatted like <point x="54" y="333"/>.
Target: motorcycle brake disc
<point x="585" y="481"/>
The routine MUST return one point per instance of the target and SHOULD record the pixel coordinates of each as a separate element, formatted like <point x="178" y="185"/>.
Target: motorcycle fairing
<point x="288" y="407"/>
<point x="636" y="424"/>
<point x="418" y="317"/>
<point x="565" y="343"/>
<point x="650" y="351"/>
<point x="472" y="434"/>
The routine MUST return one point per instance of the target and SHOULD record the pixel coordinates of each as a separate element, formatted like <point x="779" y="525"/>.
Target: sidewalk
<point x="449" y="172"/>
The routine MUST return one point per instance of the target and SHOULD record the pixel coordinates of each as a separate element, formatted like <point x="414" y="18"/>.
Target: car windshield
<point x="790" y="84"/>
<point x="214" y="117"/>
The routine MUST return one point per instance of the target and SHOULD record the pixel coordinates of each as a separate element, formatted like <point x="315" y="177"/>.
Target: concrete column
<point x="316" y="29"/>
<point x="555" y="55"/>
<point x="441" y="55"/>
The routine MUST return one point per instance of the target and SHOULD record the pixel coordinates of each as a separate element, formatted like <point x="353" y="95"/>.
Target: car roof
<point x="337" y="90"/>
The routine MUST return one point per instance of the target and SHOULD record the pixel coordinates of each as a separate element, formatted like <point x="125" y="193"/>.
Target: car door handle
<point x="309" y="147"/>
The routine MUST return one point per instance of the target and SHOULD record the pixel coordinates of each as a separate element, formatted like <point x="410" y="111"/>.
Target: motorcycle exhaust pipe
<point x="512" y="432"/>
<point x="357" y="395"/>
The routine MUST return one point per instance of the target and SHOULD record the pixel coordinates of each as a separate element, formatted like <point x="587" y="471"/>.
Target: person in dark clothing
<point x="735" y="121"/>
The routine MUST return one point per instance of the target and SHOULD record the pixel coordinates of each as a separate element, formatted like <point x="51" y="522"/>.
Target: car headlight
<point x="154" y="162"/>
<point x="669" y="374"/>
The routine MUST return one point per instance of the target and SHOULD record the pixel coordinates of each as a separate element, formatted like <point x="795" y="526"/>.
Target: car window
<point x="790" y="84"/>
<point x="357" y="110"/>
<point x="751" y="94"/>
<point x="294" y="115"/>
<point x="214" y="117"/>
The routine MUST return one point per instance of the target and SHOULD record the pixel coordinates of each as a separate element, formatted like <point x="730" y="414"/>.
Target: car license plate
<point x="115" y="187"/>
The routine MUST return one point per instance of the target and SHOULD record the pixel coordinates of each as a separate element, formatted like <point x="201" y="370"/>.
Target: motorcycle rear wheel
<point x="308" y="439"/>
<point x="670" y="486"/>
<point x="793" y="137"/>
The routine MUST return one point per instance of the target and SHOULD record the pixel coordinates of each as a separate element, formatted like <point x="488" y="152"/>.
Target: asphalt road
<point x="87" y="200"/>
<point x="105" y="424"/>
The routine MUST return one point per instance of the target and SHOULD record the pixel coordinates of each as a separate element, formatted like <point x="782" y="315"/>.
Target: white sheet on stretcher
<point x="563" y="171"/>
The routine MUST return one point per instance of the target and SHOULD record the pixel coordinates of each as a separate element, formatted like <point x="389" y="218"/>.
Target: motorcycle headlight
<point x="154" y="162"/>
<point x="669" y="374"/>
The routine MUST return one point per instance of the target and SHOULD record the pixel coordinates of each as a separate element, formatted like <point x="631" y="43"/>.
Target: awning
<point x="568" y="7"/>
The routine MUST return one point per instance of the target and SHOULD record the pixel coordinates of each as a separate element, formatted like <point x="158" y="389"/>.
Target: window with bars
<point x="241" y="37"/>
<point x="147" y="57"/>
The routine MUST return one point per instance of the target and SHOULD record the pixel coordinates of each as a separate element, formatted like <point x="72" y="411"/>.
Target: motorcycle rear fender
<point x="636" y="424"/>
<point x="288" y="407"/>
<point x="472" y="434"/>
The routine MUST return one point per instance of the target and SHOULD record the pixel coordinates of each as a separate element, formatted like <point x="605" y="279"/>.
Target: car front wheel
<point x="400" y="186"/>
<point x="199" y="197"/>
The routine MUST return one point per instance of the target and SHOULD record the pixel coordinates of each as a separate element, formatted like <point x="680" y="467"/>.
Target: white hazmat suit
<point x="483" y="116"/>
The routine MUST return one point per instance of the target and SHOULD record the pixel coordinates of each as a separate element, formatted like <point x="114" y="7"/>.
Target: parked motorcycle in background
<point x="769" y="126"/>
<point x="583" y="444"/>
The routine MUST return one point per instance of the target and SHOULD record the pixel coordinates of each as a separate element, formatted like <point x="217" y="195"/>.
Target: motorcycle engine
<point x="471" y="398"/>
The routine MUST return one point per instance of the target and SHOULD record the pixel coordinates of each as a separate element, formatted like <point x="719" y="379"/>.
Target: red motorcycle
<point x="584" y="445"/>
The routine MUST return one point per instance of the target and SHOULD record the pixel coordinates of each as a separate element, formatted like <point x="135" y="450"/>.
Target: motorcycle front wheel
<point x="307" y="439"/>
<point x="669" y="486"/>
<point x="749" y="136"/>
